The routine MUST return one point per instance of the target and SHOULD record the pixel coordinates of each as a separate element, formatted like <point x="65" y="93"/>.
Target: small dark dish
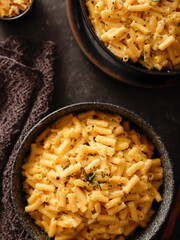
<point x="167" y="190"/>
<point x="22" y="13"/>
<point x="94" y="49"/>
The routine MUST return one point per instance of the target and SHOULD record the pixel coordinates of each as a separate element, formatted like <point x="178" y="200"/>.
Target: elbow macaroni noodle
<point x="90" y="176"/>
<point x="144" y="31"/>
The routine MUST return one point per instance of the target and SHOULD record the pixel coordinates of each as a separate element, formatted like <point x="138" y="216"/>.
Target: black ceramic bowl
<point x="22" y="13"/>
<point x="129" y="66"/>
<point x="161" y="209"/>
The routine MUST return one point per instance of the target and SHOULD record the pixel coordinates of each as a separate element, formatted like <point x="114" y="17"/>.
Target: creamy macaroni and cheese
<point x="91" y="176"/>
<point x="144" y="31"/>
<point x="12" y="8"/>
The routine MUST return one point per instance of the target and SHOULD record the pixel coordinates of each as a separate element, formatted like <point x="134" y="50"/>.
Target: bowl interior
<point x="167" y="190"/>
<point x="134" y="66"/>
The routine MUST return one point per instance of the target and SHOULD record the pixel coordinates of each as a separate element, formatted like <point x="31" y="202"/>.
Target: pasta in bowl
<point x="91" y="175"/>
<point x="14" y="9"/>
<point x="144" y="32"/>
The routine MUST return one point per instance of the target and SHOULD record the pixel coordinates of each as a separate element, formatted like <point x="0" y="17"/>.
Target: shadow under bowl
<point x="137" y="67"/>
<point x="167" y="189"/>
<point x="19" y="15"/>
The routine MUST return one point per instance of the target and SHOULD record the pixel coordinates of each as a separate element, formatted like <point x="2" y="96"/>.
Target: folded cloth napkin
<point x="26" y="88"/>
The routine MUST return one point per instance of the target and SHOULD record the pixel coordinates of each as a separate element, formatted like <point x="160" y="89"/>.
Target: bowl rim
<point x="169" y="72"/>
<point x="19" y="15"/>
<point x="127" y="114"/>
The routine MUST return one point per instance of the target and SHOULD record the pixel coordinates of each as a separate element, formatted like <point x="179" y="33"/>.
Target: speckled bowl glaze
<point x="18" y="16"/>
<point x="167" y="190"/>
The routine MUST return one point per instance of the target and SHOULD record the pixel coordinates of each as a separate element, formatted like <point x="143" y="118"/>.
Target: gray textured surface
<point x="78" y="80"/>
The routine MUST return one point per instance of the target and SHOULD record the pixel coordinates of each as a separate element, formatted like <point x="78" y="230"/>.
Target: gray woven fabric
<point x="16" y="84"/>
<point x="26" y="87"/>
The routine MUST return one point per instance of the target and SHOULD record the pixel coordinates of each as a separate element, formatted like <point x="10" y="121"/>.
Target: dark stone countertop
<point x="78" y="80"/>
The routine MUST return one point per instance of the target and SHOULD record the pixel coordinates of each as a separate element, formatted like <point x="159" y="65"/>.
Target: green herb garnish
<point x="85" y="174"/>
<point x="155" y="0"/>
<point x="67" y="165"/>
<point x="94" y="181"/>
<point x="90" y="178"/>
